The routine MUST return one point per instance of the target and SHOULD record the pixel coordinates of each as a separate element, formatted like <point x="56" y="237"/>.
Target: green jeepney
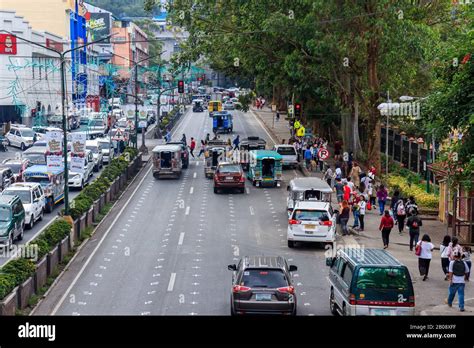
<point x="265" y="168"/>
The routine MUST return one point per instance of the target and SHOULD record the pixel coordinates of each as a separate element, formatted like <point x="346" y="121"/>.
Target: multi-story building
<point x="66" y="19"/>
<point x="169" y="35"/>
<point x="30" y="80"/>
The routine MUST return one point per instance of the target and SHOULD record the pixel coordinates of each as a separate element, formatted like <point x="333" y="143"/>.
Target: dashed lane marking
<point x="181" y="238"/>
<point x="171" y="283"/>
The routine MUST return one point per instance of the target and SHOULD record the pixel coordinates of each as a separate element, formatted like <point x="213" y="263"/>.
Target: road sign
<point x="300" y="132"/>
<point x="130" y="112"/>
<point x="297" y="124"/>
<point x="323" y="154"/>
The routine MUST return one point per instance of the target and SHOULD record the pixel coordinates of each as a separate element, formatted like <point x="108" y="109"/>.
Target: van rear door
<point x="383" y="291"/>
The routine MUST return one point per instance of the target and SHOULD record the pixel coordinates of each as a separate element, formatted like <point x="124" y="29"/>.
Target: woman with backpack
<point x="401" y="214"/>
<point x="443" y="248"/>
<point x="423" y="250"/>
<point x="454" y="247"/>
<point x="414" y="223"/>
<point x="344" y="217"/>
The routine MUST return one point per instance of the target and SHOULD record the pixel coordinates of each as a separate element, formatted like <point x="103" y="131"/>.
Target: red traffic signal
<point x="180" y="86"/>
<point x="199" y="78"/>
<point x="297" y="109"/>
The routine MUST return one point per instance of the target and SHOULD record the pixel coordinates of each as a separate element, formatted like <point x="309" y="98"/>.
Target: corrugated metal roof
<point x="370" y="257"/>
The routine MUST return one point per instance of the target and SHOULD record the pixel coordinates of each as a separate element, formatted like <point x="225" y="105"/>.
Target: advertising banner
<point x="99" y="26"/>
<point x="54" y="162"/>
<point x="54" y="142"/>
<point x="77" y="164"/>
<point x="78" y="143"/>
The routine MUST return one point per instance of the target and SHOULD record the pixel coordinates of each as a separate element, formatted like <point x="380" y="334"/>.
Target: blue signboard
<point x="78" y="38"/>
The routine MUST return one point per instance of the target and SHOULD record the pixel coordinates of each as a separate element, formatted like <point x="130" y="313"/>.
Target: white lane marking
<point x="181" y="238"/>
<point x="171" y="283"/>
<point x="195" y="175"/>
<point x="191" y="190"/>
<point x="187" y="210"/>
<point x="99" y="244"/>
<point x="197" y="163"/>
<point x="251" y="211"/>
<point x="247" y="190"/>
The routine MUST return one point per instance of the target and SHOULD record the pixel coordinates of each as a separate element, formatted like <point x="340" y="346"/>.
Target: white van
<point x="289" y="154"/>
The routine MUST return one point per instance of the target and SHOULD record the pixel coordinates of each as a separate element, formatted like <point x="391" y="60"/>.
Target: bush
<point x="7" y="284"/>
<point x="21" y="269"/>
<point x="56" y="232"/>
<point x="409" y="188"/>
<point x="42" y="245"/>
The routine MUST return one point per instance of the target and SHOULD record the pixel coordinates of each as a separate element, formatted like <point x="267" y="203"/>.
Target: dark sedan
<point x="262" y="285"/>
<point x="229" y="176"/>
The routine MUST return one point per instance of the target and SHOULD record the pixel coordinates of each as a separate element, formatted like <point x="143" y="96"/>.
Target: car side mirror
<point x="329" y="261"/>
<point x="232" y="267"/>
<point x="293" y="268"/>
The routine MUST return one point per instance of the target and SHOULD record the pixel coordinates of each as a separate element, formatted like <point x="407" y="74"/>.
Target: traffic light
<point x="180" y="86"/>
<point x="297" y="110"/>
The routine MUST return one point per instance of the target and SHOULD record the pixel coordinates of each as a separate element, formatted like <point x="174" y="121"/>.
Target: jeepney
<point x="222" y="122"/>
<point x="307" y="189"/>
<point x="248" y="144"/>
<point x="51" y="180"/>
<point x="214" y="106"/>
<point x="167" y="161"/>
<point x="265" y="168"/>
<point x="216" y="150"/>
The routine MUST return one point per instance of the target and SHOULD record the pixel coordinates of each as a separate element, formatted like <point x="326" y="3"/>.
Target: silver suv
<point x="20" y="136"/>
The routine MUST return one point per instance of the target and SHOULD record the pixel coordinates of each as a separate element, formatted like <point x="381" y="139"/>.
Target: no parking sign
<point x="323" y="154"/>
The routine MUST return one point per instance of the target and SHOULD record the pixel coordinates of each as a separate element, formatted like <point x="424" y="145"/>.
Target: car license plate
<point x="263" y="297"/>
<point x="229" y="178"/>
<point x="310" y="226"/>
<point x="267" y="179"/>
<point x="381" y="312"/>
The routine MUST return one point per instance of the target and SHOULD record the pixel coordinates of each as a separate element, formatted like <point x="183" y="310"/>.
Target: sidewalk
<point x="429" y="294"/>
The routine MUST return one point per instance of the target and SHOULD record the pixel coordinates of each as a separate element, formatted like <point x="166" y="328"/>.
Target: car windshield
<point x="96" y="123"/>
<point x="25" y="196"/>
<point x="382" y="278"/>
<point x="5" y="214"/>
<point x="38" y="179"/>
<point x="287" y="150"/>
<point x="27" y="133"/>
<point x="229" y="169"/>
<point x="35" y="158"/>
<point x="311" y="215"/>
<point x="15" y="167"/>
<point x="264" y="278"/>
<point x="93" y="148"/>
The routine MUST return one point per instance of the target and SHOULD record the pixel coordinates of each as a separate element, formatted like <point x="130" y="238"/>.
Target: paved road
<point x="167" y="252"/>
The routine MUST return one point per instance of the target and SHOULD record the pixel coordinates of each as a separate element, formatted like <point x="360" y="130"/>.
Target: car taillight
<point x="287" y="290"/>
<point x="240" y="288"/>
<point x="352" y="299"/>
<point x="294" y="222"/>
<point x="411" y="301"/>
<point x="325" y="223"/>
<point x="242" y="178"/>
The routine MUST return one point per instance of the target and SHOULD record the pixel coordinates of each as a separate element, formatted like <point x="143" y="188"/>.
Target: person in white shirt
<point x="458" y="274"/>
<point x="424" y="255"/>
<point x="350" y="183"/>
<point x="362" y="207"/>
<point x="443" y="249"/>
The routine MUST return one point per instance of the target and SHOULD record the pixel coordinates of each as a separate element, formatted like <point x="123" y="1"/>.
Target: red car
<point x="229" y="176"/>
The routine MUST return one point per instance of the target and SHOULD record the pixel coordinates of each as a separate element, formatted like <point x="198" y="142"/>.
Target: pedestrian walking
<point x="372" y="195"/>
<point x="203" y="148"/>
<point x="458" y="274"/>
<point x="338" y="172"/>
<point x="278" y="116"/>
<point x="411" y="205"/>
<point x="344" y="217"/>
<point x="382" y="198"/>
<point x="454" y="247"/>
<point x="386" y="225"/>
<point x="466" y="257"/>
<point x="339" y="188"/>
<point x="347" y="192"/>
<point x="168" y="136"/>
<point x="394" y="200"/>
<point x="414" y="223"/>
<point x="423" y="250"/>
<point x="443" y="249"/>
<point x="337" y="149"/>
<point x="308" y="156"/>
<point x="236" y="142"/>
<point x="362" y="208"/>
<point x="401" y="215"/>
<point x="328" y="176"/>
<point x="355" y="211"/>
<point x="183" y="139"/>
<point x="192" y="147"/>
<point x="355" y="174"/>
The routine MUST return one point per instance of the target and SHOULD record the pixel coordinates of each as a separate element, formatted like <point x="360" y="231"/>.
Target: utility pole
<point x="136" y="106"/>
<point x="158" y="103"/>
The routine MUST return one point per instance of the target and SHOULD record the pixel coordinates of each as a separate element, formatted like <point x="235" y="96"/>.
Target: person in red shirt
<point x="192" y="147"/>
<point x="386" y="225"/>
<point x="347" y="192"/>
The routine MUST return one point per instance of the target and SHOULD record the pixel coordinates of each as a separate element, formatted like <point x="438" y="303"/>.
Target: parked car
<point x="229" y="176"/>
<point x="264" y="285"/>
<point x="97" y="156"/>
<point x="33" y="199"/>
<point x="369" y="282"/>
<point x="97" y="126"/>
<point x="12" y="220"/>
<point x="312" y="221"/>
<point x="22" y="137"/>
<point x="41" y="131"/>
<point x="17" y="166"/>
<point x="6" y="177"/>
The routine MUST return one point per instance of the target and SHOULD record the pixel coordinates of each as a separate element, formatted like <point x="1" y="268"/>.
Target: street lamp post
<point x="62" y="57"/>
